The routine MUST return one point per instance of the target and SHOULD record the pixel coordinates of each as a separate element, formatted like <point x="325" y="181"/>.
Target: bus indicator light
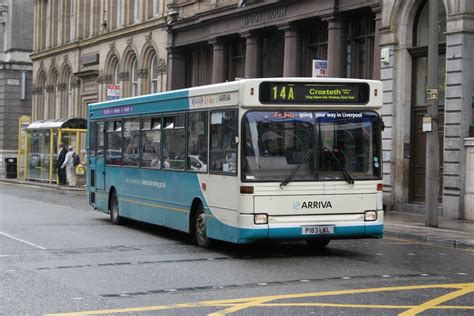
<point x="246" y="189"/>
<point x="380" y="187"/>
<point x="203" y="186"/>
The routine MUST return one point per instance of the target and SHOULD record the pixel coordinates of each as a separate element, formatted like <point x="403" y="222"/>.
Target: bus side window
<point x="173" y="142"/>
<point x="223" y="152"/>
<point x="114" y="143"/>
<point x="197" y="142"/>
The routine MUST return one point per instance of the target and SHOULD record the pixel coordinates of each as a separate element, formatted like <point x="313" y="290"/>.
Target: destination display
<point x="314" y="93"/>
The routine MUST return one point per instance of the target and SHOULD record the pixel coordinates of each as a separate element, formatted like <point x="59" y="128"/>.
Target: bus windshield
<point x="311" y="146"/>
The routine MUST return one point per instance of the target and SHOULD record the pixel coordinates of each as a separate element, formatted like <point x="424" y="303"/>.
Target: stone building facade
<point x="16" y="43"/>
<point x="91" y="50"/>
<point x="99" y="49"/>
<point x="404" y="73"/>
<point x="217" y="40"/>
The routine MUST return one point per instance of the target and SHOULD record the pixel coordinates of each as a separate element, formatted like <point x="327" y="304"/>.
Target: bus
<point x="253" y="159"/>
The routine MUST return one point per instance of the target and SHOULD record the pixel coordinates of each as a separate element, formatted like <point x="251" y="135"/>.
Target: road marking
<point x="437" y="301"/>
<point x="23" y="241"/>
<point x="234" y="305"/>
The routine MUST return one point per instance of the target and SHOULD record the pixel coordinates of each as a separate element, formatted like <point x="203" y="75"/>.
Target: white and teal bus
<point x="274" y="158"/>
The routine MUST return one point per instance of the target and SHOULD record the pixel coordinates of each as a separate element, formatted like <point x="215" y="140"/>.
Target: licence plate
<point x="317" y="230"/>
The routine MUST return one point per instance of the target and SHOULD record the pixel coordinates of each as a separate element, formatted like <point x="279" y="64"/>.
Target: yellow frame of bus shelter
<point x="60" y="132"/>
<point x="78" y="132"/>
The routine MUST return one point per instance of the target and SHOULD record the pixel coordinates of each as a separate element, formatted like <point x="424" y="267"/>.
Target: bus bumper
<point x="344" y="227"/>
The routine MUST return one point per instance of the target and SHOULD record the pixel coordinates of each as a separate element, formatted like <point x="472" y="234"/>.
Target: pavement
<point x="403" y="223"/>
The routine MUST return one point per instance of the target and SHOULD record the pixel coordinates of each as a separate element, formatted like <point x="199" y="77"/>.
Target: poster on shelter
<point x="113" y="92"/>
<point x="320" y="68"/>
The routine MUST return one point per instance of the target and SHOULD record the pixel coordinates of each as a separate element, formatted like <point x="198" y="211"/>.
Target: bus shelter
<point x="42" y="144"/>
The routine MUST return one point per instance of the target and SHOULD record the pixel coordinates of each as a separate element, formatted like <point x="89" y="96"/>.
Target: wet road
<point x="57" y="255"/>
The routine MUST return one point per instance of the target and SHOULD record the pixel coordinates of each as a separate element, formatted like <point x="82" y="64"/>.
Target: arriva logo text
<point x="312" y="205"/>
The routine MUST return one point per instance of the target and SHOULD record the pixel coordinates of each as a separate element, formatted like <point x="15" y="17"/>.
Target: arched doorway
<point x="419" y="53"/>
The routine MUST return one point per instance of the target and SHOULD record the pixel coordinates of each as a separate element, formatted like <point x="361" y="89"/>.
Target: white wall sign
<point x="13" y="82"/>
<point x="320" y="68"/>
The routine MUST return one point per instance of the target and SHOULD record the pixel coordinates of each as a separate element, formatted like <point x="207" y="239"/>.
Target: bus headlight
<point x="370" y="216"/>
<point x="260" y="219"/>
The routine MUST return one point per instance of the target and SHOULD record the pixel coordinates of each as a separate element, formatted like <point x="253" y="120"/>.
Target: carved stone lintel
<point x="142" y="73"/>
<point x="124" y="76"/>
<point x="62" y="87"/>
<point x="75" y="82"/>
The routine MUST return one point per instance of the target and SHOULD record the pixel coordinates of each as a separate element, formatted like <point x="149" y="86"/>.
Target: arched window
<point x="116" y="73"/>
<point x="40" y="97"/>
<point x="154" y="75"/>
<point x="70" y="94"/>
<point x="134" y="77"/>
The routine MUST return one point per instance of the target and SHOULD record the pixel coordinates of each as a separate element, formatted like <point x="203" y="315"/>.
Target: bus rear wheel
<point x="114" y="210"/>
<point x="317" y="244"/>
<point x="199" y="229"/>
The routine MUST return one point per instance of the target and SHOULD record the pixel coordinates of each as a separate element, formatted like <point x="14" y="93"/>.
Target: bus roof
<point x="226" y="93"/>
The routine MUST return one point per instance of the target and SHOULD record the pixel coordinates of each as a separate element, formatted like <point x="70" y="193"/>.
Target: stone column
<point x="220" y="65"/>
<point x="253" y="56"/>
<point x="336" y="47"/>
<point x="176" y="69"/>
<point x="378" y="24"/>
<point x="292" y="60"/>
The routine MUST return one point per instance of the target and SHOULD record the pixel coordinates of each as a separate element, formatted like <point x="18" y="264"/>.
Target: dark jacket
<point x="61" y="157"/>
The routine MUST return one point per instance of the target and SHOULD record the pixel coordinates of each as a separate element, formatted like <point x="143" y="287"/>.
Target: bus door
<point x="100" y="159"/>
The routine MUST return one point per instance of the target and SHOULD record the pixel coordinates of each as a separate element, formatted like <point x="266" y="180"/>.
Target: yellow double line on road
<point x="235" y="305"/>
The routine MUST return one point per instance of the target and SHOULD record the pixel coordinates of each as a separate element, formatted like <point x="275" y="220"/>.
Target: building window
<point x="316" y="45"/>
<point x="134" y="81"/>
<point x="116" y="74"/>
<point x="198" y="65"/>
<point x="136" y="11"/>
<point x="237" y="58"/>
<point x="118" y="13"/>
<point x="156" y="7"/>
<point x="69" y="96"/>
<point x="360" y="45"/>
<point x="154" y="75"/>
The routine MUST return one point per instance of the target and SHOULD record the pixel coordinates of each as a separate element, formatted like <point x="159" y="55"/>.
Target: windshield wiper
<point x="339" y="166"/>
<point x="294" y="171"/>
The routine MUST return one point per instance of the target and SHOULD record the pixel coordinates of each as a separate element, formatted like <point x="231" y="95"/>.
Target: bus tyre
<point x="317" y="244"/>
<point x="114" y="210"/>
<point x="199" y="229"/>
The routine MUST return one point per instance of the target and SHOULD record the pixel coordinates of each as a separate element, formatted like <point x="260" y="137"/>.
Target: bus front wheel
<point x="114" y="209"/>
<point x="199" y="229"/>
<point x="317" y="244"/>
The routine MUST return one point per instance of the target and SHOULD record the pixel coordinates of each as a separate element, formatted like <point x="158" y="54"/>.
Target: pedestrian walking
<point x="61" y="171"/>
<point x="70" y="168"/>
